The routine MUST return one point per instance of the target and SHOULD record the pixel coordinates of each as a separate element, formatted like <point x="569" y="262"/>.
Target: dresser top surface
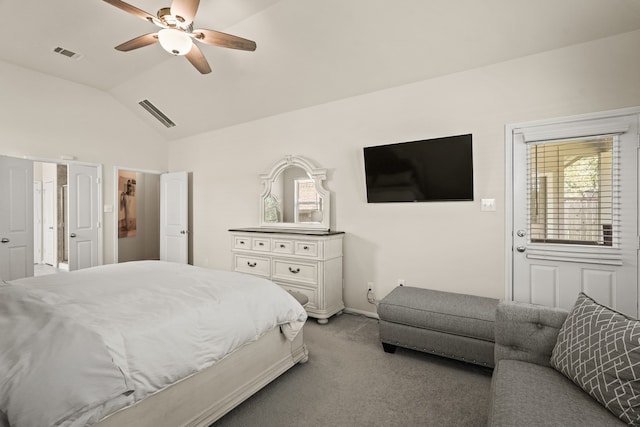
<point x="286" y="231"/>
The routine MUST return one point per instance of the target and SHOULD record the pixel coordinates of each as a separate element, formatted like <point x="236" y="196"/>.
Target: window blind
<point x="573" y="191"/>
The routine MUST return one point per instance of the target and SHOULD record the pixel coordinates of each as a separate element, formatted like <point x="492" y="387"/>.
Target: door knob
<point x="521" y="233"/>
<point x="5" y="240"/>
<point x="72" y="235"/>
<point x="521" y="249"/>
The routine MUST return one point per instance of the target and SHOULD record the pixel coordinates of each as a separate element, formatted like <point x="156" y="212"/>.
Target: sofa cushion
<point x="527" y="332"/>
<point x="599" y="350"/>
<point x="459" y="314"/>
<point x="527" y="394"/>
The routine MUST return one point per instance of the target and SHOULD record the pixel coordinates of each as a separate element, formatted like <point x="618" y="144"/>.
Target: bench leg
<point x="388" y="348"/>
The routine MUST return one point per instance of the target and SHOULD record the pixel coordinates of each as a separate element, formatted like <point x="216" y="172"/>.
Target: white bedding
<point x="76" y="346"/>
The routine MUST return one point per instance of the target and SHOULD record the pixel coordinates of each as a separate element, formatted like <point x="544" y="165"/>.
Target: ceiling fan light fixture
<point x="176" y="34"/>
<point x="174" y="41"/>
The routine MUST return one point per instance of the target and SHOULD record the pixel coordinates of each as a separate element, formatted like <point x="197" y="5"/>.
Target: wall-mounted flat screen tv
<point x="430" y="170"/>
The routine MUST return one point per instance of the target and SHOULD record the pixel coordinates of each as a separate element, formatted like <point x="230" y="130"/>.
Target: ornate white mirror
<point x="293" y="196"/>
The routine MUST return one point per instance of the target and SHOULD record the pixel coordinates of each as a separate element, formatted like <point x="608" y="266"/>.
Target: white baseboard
<point x="370" y="314"/>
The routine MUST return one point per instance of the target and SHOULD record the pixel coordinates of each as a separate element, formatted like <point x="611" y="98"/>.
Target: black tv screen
<point x="431" y="170"/>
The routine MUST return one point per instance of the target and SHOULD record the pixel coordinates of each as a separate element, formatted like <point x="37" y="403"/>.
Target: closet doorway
<point x="137" y="215"/>
<point x="151" y="215"/>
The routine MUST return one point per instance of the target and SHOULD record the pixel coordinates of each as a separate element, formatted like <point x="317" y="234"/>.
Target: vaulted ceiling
<point x="309" y="51"/>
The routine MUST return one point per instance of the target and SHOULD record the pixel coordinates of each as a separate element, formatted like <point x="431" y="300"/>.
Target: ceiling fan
<point x="177" y="34"/>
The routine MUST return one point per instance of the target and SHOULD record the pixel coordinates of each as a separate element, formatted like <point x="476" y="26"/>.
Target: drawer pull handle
<point x="261" y="244"/>
<point x="296" y="271"/>
<point x="242" y="242"/>
<point x="251" y="264"/>
<point x="282" y="246"/>
<point x="306" y="248"/>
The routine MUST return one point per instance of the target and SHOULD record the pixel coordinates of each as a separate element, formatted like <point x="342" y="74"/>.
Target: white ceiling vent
<point x="153" y="110"/>
<point x="67" y="53"/>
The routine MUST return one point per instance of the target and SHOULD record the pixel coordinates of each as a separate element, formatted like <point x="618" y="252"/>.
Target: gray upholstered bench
<point x="447" y="324"/>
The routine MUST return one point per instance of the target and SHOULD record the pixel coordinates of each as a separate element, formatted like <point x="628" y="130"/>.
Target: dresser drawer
<point x="282" y="246"/>
<point x="252" y="265"/>
<point x="241" y="242"/>
<point x="293" y="271"/>
<point x="306" y="248"/>
<point x="309" y="293"/>
<point x="307" y="263"/>
<point x="261" y="244"/>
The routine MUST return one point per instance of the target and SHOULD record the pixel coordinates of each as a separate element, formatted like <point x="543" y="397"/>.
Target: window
<point x="572" y="191"/>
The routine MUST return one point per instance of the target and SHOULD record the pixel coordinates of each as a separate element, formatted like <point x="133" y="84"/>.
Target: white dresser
<point x="308" y="262"/>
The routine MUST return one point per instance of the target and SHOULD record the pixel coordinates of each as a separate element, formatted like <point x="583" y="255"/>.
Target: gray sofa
<point x="525" y="389"/>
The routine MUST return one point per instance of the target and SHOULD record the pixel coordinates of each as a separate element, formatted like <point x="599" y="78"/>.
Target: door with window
<point x="575" y="214"/>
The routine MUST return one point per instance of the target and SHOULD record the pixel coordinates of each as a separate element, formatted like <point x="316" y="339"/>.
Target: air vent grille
<point x="68" y="53"/>
<point x="155" y="112"/>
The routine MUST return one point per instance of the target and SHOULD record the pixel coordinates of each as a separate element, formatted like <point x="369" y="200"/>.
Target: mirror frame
<point x="317" y="174"/>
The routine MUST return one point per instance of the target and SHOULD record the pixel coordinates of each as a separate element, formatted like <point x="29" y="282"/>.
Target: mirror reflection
<point x="294" y="196"/>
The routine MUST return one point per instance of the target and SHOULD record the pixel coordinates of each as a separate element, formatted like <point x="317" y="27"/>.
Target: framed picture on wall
<point x="126" y="204"/>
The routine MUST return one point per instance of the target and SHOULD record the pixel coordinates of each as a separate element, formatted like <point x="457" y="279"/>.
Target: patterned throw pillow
<point x="599" y="350"/>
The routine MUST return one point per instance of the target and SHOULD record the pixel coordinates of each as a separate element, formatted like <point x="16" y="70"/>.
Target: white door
<point x="575" y="214"/>
<point x="83" y="225"/>
<point x="37" y="222"/>
<point x="48" y="223"/>
<point x="16" y="218"/>
<point x="174" y="217"/>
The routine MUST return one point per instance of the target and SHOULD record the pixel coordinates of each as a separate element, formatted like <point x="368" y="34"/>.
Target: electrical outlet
<point x="371" y="294"/>
<point x="400" y="282"/>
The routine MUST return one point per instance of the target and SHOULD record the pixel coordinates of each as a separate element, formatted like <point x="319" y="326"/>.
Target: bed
<point x="145" y="343"/>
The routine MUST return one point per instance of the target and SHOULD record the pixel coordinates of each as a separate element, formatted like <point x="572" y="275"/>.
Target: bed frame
<point x="202" y="398"/>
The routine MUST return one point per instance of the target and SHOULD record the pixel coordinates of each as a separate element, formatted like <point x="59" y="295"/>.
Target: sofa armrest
<point x="526" y="332"/>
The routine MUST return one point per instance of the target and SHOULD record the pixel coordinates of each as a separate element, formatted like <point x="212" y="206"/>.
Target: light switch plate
<point x="488" y="205"/>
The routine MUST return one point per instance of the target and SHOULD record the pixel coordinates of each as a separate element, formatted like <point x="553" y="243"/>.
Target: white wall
<point x="448" y="246"/>
<point x="46" y="117"/>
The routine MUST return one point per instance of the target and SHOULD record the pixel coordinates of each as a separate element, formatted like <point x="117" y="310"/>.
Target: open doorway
<point x="50" y="217"/>
<point x="73" y="215"/>
<point x="138" y="215"/>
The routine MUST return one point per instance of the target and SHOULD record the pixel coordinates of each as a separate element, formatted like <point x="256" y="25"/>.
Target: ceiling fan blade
<point x="185" y="9"/>
<point x="216" y="38"/>
<point x="131" y="9"/>
<point x="141" y="41"/>
<point x="198" y="60"/>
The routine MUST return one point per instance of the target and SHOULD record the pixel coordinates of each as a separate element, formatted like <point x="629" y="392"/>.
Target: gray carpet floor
<point x="350" y="381"/>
